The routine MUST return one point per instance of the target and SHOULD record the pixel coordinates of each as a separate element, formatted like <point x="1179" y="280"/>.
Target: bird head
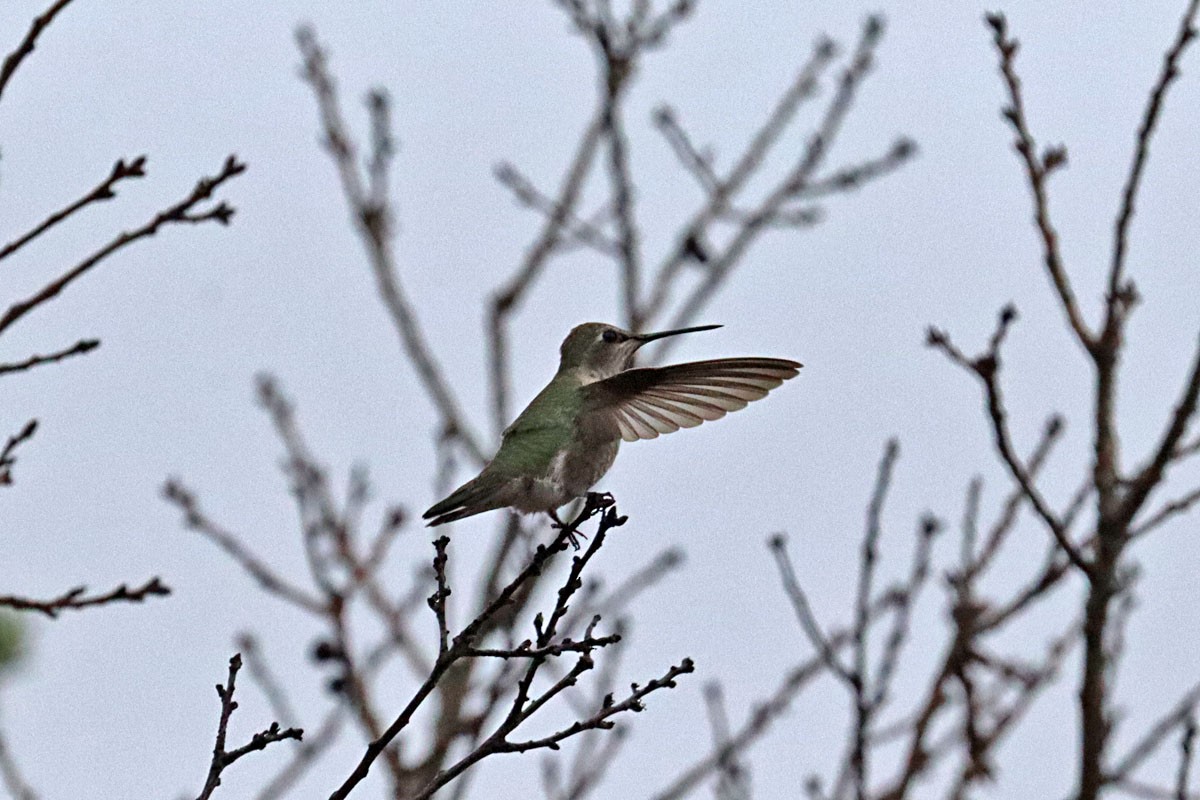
<point x="603" y="350"/>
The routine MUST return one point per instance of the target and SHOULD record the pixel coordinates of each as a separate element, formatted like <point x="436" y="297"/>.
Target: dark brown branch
<point x="77" y="598"/>
<point x="1150" y="476"/>
<point x="104" y="191"/>
<point x="222" y="758"/>
<point x="1180" y="505"/>
<point x="437" y="601"/>
<point x="7" y="455"/>
<point x="1051" y="434"/>
<point x="1141" y="152"/>
<point x="305" y="755"/>
<point x="987" y="368"/>
<point x="461" y="644"/>
<point x="181" y="212"/>
<point x="82" y="347"/>
<point x="1037" y="169"/>
<point x="39" y="24"/>
<point x="601" y="720"/>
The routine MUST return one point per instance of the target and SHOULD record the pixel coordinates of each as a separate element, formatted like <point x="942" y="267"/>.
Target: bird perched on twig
<point x="567" y="437"/>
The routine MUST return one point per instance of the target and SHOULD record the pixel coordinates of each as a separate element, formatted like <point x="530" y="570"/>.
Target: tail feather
<point x="473" y="497"/>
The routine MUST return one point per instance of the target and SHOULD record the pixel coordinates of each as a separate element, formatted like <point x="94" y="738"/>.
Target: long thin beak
<point x="650" y="337"/>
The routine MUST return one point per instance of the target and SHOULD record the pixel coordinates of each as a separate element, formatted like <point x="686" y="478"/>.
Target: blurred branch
<point x="792" y="185"/>
<point x="574" y="228"/>
<point x="801" y="89"/>
<point x="183" y="499"/>
<point x="10" y="775"/>
<point x="733" y="779"/>
<point x="1186" y="750"/>
<point x="39" y="24"/>
<point x="370" y="207"/>
<point x="223" y="758"/>
<point x="77" y="598"/>
<point x="509" y="296"/>
<point x="1179" y="717"/>
<point x="268" y="684"/>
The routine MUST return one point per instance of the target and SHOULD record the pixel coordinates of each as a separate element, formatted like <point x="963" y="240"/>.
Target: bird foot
<point x="601" y="499"/>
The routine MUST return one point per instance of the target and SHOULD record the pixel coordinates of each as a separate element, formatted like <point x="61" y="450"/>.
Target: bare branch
<point x="7" y="455"/>
<point x="1149" y="477"/>
<point x="1141" y="152"/>
<point x="372" y="216"/>
<point x="181" y="212"/>
<point x="10" y="775"/>
<point x="987" y="368"/>
<point x="1037" y="169"/>
<point x="14" y="59"/>
<point x="1179" y="716"/>
<point x="803" y="609"/>
<point x="78" y="599"/>
<point x="193" y="518"/>
<point x="697" y="163"/>
<point x="222" y="758"/>
<point x="105" y="190"/>
<point x="461" y="645"/>
<point x="82" y="347"/>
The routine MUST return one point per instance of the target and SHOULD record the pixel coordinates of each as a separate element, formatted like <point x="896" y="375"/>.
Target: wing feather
<point x="648" y="402"/>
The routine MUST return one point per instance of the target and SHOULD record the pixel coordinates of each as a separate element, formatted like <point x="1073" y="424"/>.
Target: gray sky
<point x="119" y="702"/>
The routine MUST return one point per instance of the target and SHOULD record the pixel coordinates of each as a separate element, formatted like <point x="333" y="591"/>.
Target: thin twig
<point x="77" y="598"/>
<point x="7" y="455"/>
<point x="987" y="368"/>
<point x="1141" y="152"/>
<point x="180" y="212"/>
<point x="1037" y="169"/>
<point x="105" y="190"/>
<point x="193" y="518"/>
<point x="82" y="347"/>
<point x="39" y="24"/>
<point x="222" y="758"/>
<point x="371" y="213"/>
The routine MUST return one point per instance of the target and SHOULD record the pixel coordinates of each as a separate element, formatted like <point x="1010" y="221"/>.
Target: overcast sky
<point x="119" y="703"/>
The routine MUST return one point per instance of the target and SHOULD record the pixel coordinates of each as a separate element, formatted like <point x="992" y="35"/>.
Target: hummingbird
<point x="567" y="437"/>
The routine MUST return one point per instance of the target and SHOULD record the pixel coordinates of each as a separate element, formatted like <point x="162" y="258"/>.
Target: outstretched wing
<point x="644" y="403"/>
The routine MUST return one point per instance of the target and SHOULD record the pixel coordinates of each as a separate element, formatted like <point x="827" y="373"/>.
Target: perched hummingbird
<point x="567" y="438"/>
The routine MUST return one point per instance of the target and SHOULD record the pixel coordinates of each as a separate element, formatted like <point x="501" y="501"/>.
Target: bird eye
<point x="610" y="336"/>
